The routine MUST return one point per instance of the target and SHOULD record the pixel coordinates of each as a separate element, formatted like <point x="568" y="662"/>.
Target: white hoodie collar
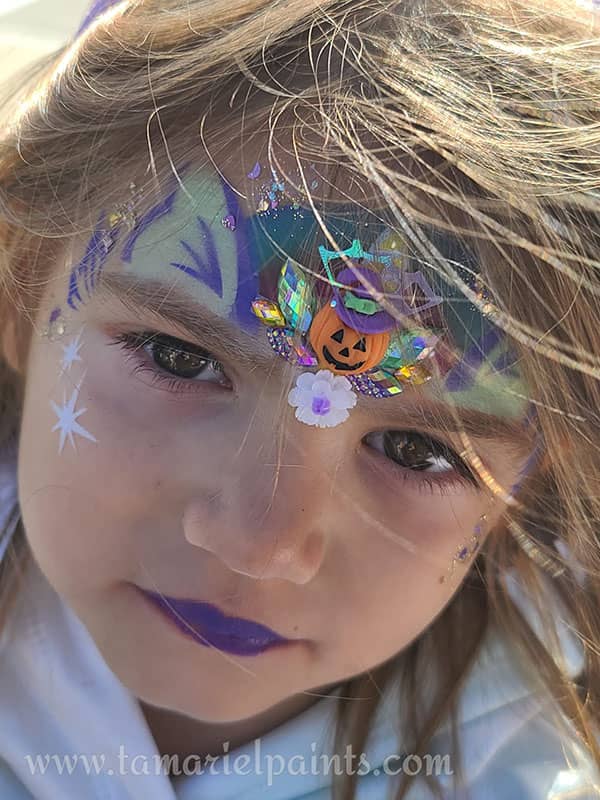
<point x="57" y="695"/>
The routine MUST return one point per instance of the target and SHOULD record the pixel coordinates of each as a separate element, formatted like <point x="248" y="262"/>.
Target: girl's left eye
<point x="172" y="362"/>
<point x="420" y="453"/>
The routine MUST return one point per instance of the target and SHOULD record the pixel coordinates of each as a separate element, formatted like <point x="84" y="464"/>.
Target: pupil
<point x="179" y="362"/>
<point x="411" y="450"/>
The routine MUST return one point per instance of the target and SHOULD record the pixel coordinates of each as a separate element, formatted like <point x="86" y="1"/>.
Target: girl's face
<point x="144" y="469"/>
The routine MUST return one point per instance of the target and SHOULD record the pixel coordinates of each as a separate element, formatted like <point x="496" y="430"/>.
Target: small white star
<point x="71" y="352"/>
<point x="67" y="420"/>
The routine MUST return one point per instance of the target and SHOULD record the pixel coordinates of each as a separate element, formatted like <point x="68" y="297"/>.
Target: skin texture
<point x="216" y="493"/>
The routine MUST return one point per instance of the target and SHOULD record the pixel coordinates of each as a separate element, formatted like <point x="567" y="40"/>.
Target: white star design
<point x="67" y="420"/>
<point x="71" y="352"/>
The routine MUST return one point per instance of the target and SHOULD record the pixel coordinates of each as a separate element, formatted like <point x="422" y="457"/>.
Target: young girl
<point x="299" y="322"/>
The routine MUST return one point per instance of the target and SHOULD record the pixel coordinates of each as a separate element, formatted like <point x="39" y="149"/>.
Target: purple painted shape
<point x="97" y="8"/>
<point x="247" y="286"/>
<point x="206" y="269"/>
<point x="527" y="468"/>
<point x="255" y="171"/>
<point x="505" y="363"/>
<point x="157" y="211"/>
<point x="56" y="312"/>
<point x="416" y="279"/>
<point x="90" y="265"/>
<point x="462" y="376"/>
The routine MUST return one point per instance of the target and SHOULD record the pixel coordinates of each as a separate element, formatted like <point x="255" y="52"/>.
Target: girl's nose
<point x="269" y="517"/>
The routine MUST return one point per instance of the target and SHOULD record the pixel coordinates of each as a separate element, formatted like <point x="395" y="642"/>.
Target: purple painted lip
<point x="210" y="627"/>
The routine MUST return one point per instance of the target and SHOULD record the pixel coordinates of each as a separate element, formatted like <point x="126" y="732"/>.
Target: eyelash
<point x="459" y="477"/>
<point x="135" y="344"/>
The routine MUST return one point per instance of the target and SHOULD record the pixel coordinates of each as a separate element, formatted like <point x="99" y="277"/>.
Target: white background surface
<point x="31" y="28"/>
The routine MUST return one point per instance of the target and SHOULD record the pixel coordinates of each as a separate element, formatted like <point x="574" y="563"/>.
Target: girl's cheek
<point x="428" y="515"/>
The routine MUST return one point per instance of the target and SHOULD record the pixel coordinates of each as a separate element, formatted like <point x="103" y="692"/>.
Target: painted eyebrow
<point x="173" y="306"/>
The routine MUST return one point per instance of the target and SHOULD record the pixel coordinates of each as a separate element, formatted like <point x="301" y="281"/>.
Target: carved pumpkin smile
<point x="339" y="365"/>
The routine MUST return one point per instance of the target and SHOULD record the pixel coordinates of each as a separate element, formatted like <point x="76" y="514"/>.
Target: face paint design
<point x="180" y="233"/>
<point x="484" y="375"/>
<point x="183" y="238"/>
<point x="67" y="414"/>
<point x="198" y="234"/>
<point x="56" y="326"/>
<point x="84" y="273"/>
<point x="466" y="551"/>
<point x="67" y="419"/>
<point x="71" y="353"/>
<point x="98" y="7"/>
<point x="350" y="334"/>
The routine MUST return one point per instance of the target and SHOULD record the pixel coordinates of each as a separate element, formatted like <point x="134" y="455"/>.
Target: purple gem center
<point x="462" y="553"/>
<point x="321" y="406"/>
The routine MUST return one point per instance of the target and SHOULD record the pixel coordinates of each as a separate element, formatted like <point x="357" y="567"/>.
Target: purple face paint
<point x="85" y="272"/>
<point x="97" y="8"/>
<point x="255" y="172"/>
<point x="462" y="376"/>
<point x="533" y="458"/>
<point x="161" y="209"/>
<point x="203" y="264"/>
<point x="169" y="236"/>
<point x="207" y="625"/>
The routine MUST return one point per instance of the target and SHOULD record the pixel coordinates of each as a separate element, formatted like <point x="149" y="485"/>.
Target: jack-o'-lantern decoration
<point x="342" y="349"/>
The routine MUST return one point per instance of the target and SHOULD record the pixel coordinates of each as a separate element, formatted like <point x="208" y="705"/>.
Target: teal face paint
<point x="484" y="374"/>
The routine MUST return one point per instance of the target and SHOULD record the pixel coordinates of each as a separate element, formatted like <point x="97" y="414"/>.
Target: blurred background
<point x="32" y="28"/>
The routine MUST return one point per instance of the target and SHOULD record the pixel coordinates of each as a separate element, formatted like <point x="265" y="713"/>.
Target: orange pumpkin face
<point x="342" y="349"/>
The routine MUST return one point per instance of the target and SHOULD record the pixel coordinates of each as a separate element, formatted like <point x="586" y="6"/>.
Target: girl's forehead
<point x="243" y="257"/>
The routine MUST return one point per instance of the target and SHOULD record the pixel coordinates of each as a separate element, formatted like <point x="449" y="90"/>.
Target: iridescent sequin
<point x="376" y="383"/>
<point x="268" y="312"/>
<point x="295" y="297"/>
<point x="415" y="374"/>
<point x="285" y="344"/>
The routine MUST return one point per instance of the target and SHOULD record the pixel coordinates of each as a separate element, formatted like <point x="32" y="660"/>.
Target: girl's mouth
<point x="207" y="625"/>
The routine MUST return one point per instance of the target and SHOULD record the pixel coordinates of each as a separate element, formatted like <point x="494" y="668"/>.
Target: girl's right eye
<point x="172" y="363"/>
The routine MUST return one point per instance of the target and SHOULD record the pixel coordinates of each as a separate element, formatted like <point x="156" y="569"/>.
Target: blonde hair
<point x="484" y="114"/>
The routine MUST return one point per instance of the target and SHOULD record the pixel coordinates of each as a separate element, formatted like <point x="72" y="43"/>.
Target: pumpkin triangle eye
<point x="360" y="345"/>
<point x="338" y="336"/>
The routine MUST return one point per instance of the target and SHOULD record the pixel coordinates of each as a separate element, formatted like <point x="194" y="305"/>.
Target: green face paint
<point x="198" y="239"/>
<point x="484" y="374"/>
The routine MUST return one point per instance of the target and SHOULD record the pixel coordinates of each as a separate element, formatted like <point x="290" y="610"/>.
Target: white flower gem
<point x="322" y="399"/>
